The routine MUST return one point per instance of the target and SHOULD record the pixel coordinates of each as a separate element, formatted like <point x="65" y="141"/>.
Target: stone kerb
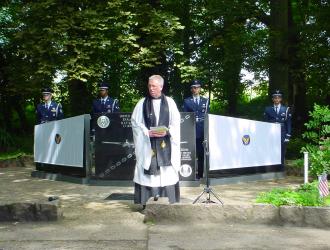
<point x="31" y="211"/>
<point x="244" y="214"/>
<point x="20" y="161"/>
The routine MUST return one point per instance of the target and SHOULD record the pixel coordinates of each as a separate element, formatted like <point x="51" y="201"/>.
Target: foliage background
<point x="73" y="45"/>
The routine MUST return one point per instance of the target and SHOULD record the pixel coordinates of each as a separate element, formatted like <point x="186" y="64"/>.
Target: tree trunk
<point x="232" y="63"/>
<point x="6" y="113"/>
<point x="186" y="39"/>
<point x="297" y="82"/>
<point x="114" y="80"/>
<point x="278" y="46"/>
<point x="146" y="72"/>
<point x="80" y="98"/>
<point x="19" y="107"/>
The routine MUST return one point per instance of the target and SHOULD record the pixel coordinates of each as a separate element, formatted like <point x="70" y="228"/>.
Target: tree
<point x="278" y="46"/>
<point x="123" y="42"/>
<point x="88" y="41"/>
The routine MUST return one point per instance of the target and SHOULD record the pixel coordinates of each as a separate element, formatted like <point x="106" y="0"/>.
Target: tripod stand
<point x="207" y="189"/>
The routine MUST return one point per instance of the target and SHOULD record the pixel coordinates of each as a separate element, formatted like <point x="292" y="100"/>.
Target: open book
<point x="159" y="129"/>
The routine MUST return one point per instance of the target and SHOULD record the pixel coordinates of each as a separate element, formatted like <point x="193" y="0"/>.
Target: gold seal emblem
<point x="163" y="144"/>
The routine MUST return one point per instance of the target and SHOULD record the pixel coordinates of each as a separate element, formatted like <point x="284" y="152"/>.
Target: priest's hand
<point x="157" y="134"/>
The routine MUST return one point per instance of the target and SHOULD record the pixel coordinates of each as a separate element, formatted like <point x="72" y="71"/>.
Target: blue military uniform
<point x="281" y="115"/>
<point x="200" y="107"/>
<point x="107" y="105"/>
<point x="47" y="112"/>
<point x="104" y="105"/>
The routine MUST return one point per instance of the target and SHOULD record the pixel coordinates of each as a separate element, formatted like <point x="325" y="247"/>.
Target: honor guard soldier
<point x="278" y="113"/>
<point x="200" y="106"/>
<point x="105" y="104"/>
<point x="48" y="110"/>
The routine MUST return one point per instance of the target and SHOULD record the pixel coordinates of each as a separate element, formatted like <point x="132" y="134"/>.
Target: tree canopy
<point x="73" y="45"/>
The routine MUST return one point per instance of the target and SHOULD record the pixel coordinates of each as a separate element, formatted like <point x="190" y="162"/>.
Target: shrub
<point x="318" y="136"/>
<point x="6" y="140"/>
<point x="293" y="149"/>
<point x="298" y="163"/>
<point x="305" y="195"/>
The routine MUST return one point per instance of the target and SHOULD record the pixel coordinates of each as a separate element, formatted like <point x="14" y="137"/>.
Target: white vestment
<point x="143" y="152"/>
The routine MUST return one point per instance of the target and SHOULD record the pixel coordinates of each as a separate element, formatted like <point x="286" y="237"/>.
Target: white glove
<point x="286" y="140"/>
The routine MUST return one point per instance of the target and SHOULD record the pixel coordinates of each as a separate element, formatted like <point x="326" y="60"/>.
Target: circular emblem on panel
<point x="246" y="140"/>
<point x="103" y="121"/>
<point x="185" y="170"/>
<point x="58" y="139"/>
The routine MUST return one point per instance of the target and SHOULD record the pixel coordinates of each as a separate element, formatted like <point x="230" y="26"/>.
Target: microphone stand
<point x="207" y="189"/>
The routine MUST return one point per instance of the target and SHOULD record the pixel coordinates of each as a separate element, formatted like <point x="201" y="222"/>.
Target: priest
<point x="156" y="132"/>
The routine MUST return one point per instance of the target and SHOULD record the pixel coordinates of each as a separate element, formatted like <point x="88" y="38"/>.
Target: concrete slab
<point x="97" y="182"/>
<point x="91" y="221"/>
<point x="209" y="236"/>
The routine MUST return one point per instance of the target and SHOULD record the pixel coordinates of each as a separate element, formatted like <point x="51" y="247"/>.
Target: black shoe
<point x="143" y="210"/>
<point x="156" y="197"/>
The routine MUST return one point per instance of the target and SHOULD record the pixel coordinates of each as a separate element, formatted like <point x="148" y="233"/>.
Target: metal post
<point x="305" y="167"/>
